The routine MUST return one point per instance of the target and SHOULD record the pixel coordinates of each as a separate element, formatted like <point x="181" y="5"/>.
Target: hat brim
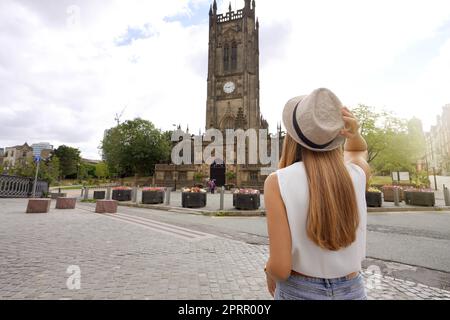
<point x="288" y="114"/>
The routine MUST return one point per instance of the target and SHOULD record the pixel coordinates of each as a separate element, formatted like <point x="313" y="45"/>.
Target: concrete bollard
<point x="108" y="193"/>
<point x="82" y="193"/>
<point x="168" y="196"/>
<point x="222" y="196"/>
<point x="396" y="197"/>
<point x="134" y="195"/>
<point x="86" y="193"/>
<point x="446" y="197"/>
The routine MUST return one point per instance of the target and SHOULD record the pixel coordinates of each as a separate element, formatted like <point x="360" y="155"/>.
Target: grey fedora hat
<point x="315" y="121"/>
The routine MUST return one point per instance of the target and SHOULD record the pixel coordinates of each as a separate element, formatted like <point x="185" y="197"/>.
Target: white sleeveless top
<point x="307" y="257"/>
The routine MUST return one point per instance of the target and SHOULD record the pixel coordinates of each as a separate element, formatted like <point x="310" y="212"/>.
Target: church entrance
<point x="217" y="172"/>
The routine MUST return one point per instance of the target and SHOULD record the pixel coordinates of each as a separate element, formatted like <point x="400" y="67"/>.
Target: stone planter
<point x="373" y="199"/>
<point x="38" y="205"/>
<point x="193" y="199"/>
<point x="388" y="194"/>
<point x="56" y="195"/>
<point x="66" y="203"/>
<point x="106" y="206"/>
<point x="416" y="198"/>
<point x="246" y="201"/>
<point x="121" y="195"/>
<point x="152" y="197"/>
<point x="99" y="195"/>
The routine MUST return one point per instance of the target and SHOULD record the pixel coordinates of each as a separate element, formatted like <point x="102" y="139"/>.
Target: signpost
<point x="400" y="176"/>
<point x="37" y="159"/>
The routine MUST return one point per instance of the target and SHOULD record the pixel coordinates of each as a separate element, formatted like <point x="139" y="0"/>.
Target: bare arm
<point x="355" y="147"/>
<point x="280" y="257"/>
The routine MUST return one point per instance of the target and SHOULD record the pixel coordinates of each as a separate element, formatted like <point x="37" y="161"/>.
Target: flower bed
<point x="373" y="197"/>
<point x="388" y="193"/>
<point x="193" y="197"/>
<point x="246" y="199"/>
<point x="153" y="195"/>
<point x="420" y="197"/>
<point x="121" y="194"/>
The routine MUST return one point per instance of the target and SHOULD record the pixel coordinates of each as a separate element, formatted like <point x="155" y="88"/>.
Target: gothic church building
<point x="233" y="97"/>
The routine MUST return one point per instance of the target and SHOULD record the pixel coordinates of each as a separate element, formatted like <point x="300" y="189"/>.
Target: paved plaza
<point x="77" y="254"/>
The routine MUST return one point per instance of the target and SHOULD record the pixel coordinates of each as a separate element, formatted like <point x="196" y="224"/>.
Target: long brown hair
<point x="333" y="213"/>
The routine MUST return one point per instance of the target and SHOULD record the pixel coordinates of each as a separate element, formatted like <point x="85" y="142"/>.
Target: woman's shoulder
<point x="293" y="167"/>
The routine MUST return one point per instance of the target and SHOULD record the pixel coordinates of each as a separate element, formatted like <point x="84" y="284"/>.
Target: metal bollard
<point x="134" y="195"/>
<point x="86" y="193"/>
<point x="396" y="197"/>
<point x="108" y="193"/>
<point x="82" y="192"/>
<point x="168" y="196"/>
<point x="446" y="197"/>
<point x="222" y="196"/>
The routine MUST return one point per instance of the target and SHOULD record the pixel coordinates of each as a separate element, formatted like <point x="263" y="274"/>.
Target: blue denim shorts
<point x="297" y="287"/>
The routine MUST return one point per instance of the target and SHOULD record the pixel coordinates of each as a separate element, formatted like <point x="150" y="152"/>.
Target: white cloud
<point x="64" y="77"/>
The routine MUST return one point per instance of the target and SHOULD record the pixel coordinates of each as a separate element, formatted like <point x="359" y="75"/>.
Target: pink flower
<point x="153" y="189"/>
<point x="246" y="191"/>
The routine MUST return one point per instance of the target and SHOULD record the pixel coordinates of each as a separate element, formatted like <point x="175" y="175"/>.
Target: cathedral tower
<point x="233" y="69"/>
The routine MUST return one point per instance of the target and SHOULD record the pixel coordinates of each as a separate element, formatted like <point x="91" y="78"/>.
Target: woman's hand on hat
<point x="351" y="124"/>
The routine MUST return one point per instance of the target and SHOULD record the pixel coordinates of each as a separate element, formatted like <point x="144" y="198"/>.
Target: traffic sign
<point x="37" y="158"/>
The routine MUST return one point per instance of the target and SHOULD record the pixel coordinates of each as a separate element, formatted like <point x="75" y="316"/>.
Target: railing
<point x="20" y="187"/>
<point x="230" y="16"/>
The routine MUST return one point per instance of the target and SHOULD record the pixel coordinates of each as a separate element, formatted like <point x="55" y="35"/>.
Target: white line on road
<point x="182" y="233"/>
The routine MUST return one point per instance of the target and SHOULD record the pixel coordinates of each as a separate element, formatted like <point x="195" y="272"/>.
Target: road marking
<point x="169" y="229"/>
<point x="162" y="224"/>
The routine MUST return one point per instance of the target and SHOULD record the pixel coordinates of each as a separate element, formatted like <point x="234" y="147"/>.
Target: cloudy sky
<point x="68" y="66"/>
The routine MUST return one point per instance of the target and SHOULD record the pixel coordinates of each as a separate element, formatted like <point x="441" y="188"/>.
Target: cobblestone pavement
<point x="129" y="257"/>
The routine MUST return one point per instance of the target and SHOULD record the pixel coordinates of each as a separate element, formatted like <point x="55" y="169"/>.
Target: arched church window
<point x="226" y="58"/>
<point x="234" y="56"/>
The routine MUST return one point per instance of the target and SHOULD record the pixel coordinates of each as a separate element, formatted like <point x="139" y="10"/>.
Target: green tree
<point x="24" y="169"/>
<point x="377" y="127"/>
<point x="393" y="143"/>
<point x="101" y="170"/>
<point x="416" y="138"/>
<point x="134" y="147"/>
<point x="69" y="159"/>
<point x="48" y="169"/>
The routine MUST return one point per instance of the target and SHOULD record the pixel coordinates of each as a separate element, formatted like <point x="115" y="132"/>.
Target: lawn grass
<point x="381" y="180"/>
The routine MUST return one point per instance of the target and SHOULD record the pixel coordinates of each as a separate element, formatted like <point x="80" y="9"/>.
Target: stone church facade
<point x="233" y="98"/>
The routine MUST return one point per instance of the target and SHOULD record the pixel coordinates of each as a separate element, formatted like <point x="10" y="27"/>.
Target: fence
<point x="20" y="187"/>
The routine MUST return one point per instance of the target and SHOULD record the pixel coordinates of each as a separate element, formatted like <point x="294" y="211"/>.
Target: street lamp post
<point x="434" y="163"/>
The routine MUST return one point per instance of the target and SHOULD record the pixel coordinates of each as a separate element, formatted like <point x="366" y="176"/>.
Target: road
<point x="417" y="239"/>
<point x="149" y="254"/>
